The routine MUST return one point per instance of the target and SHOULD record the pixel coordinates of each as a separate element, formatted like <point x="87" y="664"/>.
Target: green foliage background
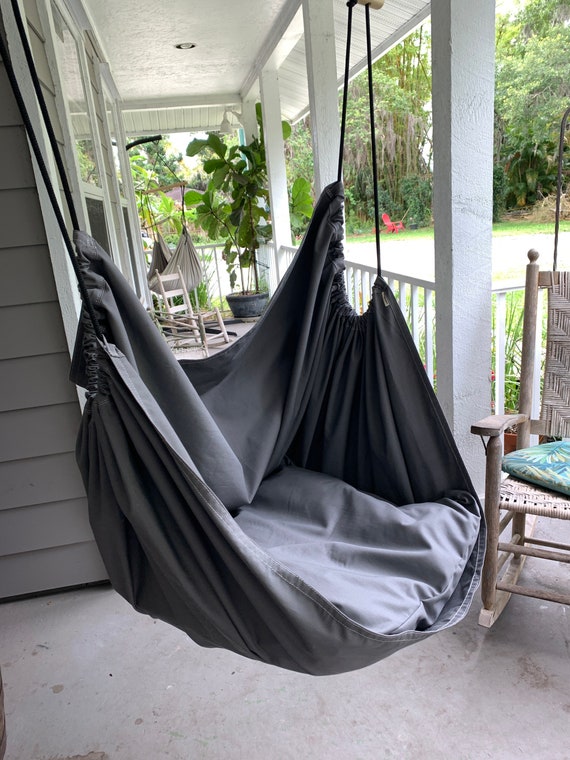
<point x="532" y="91"/>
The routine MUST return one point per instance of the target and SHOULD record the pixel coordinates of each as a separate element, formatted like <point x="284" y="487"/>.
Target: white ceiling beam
<point x="276" y="35"/>
<point x="394" y="39"/>
<point x="190" y="101"/>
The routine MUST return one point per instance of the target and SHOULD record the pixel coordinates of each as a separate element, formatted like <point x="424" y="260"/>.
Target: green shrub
<point x="416" y="192"/>
<point x="499" y="192"/>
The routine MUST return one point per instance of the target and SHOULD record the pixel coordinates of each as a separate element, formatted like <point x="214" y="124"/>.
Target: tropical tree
<point x="156" y="168"/>
<point x="532" y="92"/>
<point x="402" y="93"/>
<point x="162" y="161"/>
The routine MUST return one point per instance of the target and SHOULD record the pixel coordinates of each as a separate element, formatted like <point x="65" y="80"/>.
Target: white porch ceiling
<point x="168" y="90"/>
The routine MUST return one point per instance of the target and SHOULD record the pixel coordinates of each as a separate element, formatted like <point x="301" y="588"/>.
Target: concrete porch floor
<point x="236" y="329"/>
<point x="88" y="678"/>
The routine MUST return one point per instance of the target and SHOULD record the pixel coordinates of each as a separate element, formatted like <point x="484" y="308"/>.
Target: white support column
<point x="463" y="44"/>
<point x="318" y="20"/>
<point x="249" y="119"/>
<point x="275" y="152"/>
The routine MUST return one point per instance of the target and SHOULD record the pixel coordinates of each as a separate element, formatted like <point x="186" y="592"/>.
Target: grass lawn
<point x="519" y="227"/>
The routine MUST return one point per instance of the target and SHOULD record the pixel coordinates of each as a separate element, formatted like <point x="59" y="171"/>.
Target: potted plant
<point x="235" y="207"/>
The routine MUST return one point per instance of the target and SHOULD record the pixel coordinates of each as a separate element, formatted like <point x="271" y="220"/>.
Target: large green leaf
<point x="192" y="197"/>
<point x="236" y="216"/>
<point x="212" y="164"/>
<point x="216" y="144"/>
<point x="220" y="175"/>
<point x="196" y="146"/>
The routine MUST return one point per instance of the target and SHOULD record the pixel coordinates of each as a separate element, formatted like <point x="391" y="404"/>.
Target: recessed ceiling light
<point x="185" y="45"/>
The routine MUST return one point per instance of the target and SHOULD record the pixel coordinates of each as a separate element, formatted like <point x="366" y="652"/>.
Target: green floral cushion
<point x="547" y="465"/>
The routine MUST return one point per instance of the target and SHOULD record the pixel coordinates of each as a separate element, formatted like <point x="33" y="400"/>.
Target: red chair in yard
<point x="390" y="225"/>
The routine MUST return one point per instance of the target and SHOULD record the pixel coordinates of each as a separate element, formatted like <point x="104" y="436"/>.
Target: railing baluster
<point x="428" y="326"/>
<point x="414" y="304"/>
<point x="402" y="296"/>
<point x="353" y="297"/>
<point x="369" y="284"/>
<point x="499" y="368"/>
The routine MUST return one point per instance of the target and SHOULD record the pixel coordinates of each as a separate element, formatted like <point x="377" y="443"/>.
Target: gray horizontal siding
<point x="20" y="204"/>
<point x="45" y="538"/>
<point x="39" y="480"/>
<point x="35" y="262"/>
<point x="36" y="381"/>
<point x="9" y="113"/>
<point x="30" y="330"/>
<point x="38" y="432"/>
<point x="46" y="569"/>
<point x="38" y="527"/>
<point x="13" y="174"/>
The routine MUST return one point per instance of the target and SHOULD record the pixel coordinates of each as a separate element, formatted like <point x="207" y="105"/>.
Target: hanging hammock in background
<point x="185" y="257"/>
<point x="297" y="498"/>
<point x="161" y="255"/>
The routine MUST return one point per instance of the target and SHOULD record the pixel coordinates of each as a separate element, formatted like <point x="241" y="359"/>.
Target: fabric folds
<point x="296" y="498"/>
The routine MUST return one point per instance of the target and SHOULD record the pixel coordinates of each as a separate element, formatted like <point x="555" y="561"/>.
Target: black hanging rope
<point x="373" y="139"/>
<point x="350" y="6"/>
<point x="559" y="184"/>
<point x="44" y="170"/>
<point x="43" y="107"/>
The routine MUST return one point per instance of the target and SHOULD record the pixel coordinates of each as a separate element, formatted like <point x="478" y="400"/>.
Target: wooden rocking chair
<point x="513" y="500"/>
<point x="181" y="325"/>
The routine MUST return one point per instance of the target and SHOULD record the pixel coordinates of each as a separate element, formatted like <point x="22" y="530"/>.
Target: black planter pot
<point x="247" y="306"/>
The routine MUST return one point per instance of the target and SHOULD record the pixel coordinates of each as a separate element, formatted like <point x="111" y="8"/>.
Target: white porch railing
<point x="416" y="298"/>
<point x="216" y="275"/>
<point x="508" y="301"/>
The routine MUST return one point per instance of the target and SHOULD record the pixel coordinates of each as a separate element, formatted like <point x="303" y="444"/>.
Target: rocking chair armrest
<point x="496" y="424"/>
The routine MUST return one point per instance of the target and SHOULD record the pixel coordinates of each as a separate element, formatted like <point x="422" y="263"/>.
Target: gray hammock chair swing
<point x="297" y="498"/>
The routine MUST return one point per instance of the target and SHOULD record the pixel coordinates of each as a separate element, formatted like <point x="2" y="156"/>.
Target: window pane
<point x="116" y="160"/>
<point x="97" y="224"/>
<point x="74" y="94"/>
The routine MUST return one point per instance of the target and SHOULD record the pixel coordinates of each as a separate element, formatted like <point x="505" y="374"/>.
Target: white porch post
<point x="275" y="152"/>
<point x="463" y="43"/>
<point x="249" y="119"/>
<point x="318" y="20"/>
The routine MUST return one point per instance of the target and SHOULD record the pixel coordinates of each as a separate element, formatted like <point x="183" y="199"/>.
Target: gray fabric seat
<point x="297" y="498"/>
<point x="390" y="569"/>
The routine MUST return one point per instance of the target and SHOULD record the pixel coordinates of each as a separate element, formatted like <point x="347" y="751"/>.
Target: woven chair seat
<point x="518" y="496"/>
